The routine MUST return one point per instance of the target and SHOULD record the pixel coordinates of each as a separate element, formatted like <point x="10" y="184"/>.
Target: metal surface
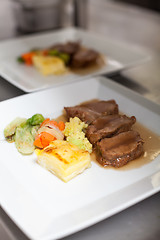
<point x="133" y="25"/>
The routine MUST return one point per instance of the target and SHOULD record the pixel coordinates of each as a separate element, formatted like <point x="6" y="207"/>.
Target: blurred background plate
<point x="118" y="56"/>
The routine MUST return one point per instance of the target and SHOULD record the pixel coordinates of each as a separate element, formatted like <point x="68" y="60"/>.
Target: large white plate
<point x="43" y="206"/>
<point x="119" y="56"/>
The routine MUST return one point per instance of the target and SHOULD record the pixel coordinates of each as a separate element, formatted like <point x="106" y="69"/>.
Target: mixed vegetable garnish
<point x="22" y="131"/>
<point x="38" y="132"/>
<point x="49" y="131"/>
<point x="27" y="58"/>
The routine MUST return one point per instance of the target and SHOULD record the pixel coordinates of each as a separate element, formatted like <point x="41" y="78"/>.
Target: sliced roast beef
<point x="84" y="57"/>
<point x="85" y="114"/>
<point x="103" y="107"/>
<point x="90" y="111"/>
<point x="119" y="149"/>
<point x="107" y="126"/>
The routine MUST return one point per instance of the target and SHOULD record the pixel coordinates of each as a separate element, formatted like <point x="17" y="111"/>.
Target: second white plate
<point x="42" y="205"/>
<point x="118" y="55"/>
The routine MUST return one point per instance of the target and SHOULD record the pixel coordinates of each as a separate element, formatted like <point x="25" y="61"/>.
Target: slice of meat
<point x="85" y="114"/>
<point x="103" y="107"/>
<point x="107" y="126"/>
<point x="120" y="149"/>
<point x="90" y="111"/>
<point x="84" y="57"/>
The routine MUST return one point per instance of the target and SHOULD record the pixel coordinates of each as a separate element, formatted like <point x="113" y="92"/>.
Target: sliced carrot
<point x="61" y="125"/>
<point x="43" y="139"/>
<point x="53" y="123"/>
<point x="38" y="142"/>
<point x="45" y="122"/>
<point x="27" y="57"/>
<point x="28" y="62"/>
<point x="46" y="138"/>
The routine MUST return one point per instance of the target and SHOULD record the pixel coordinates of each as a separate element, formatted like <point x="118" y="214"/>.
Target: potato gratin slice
<point x="63" y="159"/>
<point x="49" y="65"/>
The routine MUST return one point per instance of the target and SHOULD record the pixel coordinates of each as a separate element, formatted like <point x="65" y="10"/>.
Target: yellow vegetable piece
<point x="74" y="132"/>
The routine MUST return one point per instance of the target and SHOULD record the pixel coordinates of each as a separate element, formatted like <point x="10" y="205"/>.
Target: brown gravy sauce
<point x="151" y="145"/>
<point x="62" y="117"/>
<point x="101" y="62"/>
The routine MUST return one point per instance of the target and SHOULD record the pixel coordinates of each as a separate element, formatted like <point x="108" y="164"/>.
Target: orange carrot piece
<point x="28" y="62"/>
<point x="53" y="123"/>
<point x="27" y="57"/>
<point x="45" y="122"/>
<point x="46" y="138"/>
<point x="61" y="125"/>
<point x="38" y="142"/>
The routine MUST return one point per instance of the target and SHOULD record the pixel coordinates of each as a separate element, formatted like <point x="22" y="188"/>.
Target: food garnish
<point x="49" y="130"/>
<point x="28" y="58"/>
<point x="75" y="133"/>
<point x="22" y="131"/>
<point x="36" y="119"/>
<point x="10" y="129"/>
<point x="24" y="138"/>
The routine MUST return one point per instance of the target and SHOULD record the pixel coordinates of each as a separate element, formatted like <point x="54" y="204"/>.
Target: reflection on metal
<point x="80" y="13"/>
<point x="38" y="15"/>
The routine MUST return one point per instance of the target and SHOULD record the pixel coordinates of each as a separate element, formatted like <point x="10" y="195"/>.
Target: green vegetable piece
<point x="20" y="60"/>
<point x="36" y="119"/>
<point x="24" y="139"/>
<point x="34" y="130"/>
<point x="65" y="57"/>
<point x="10" y="129"/>
<point x="80" y="141"/>
<point x="74" y="133"/>
<point x="53" y="52"/>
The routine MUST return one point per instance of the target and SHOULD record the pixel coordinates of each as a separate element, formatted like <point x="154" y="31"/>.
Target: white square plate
<point x="119" y="56"/>
<point x="43" y="206"/>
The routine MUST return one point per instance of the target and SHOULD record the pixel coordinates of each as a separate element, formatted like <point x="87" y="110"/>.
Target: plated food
<point x="61" y="57"/>
<point x="22" y="131"/>
<point x="66" y="147"/>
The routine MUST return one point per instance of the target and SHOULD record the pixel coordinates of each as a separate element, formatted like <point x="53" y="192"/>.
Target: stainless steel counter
<point x="127" y="24"/>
